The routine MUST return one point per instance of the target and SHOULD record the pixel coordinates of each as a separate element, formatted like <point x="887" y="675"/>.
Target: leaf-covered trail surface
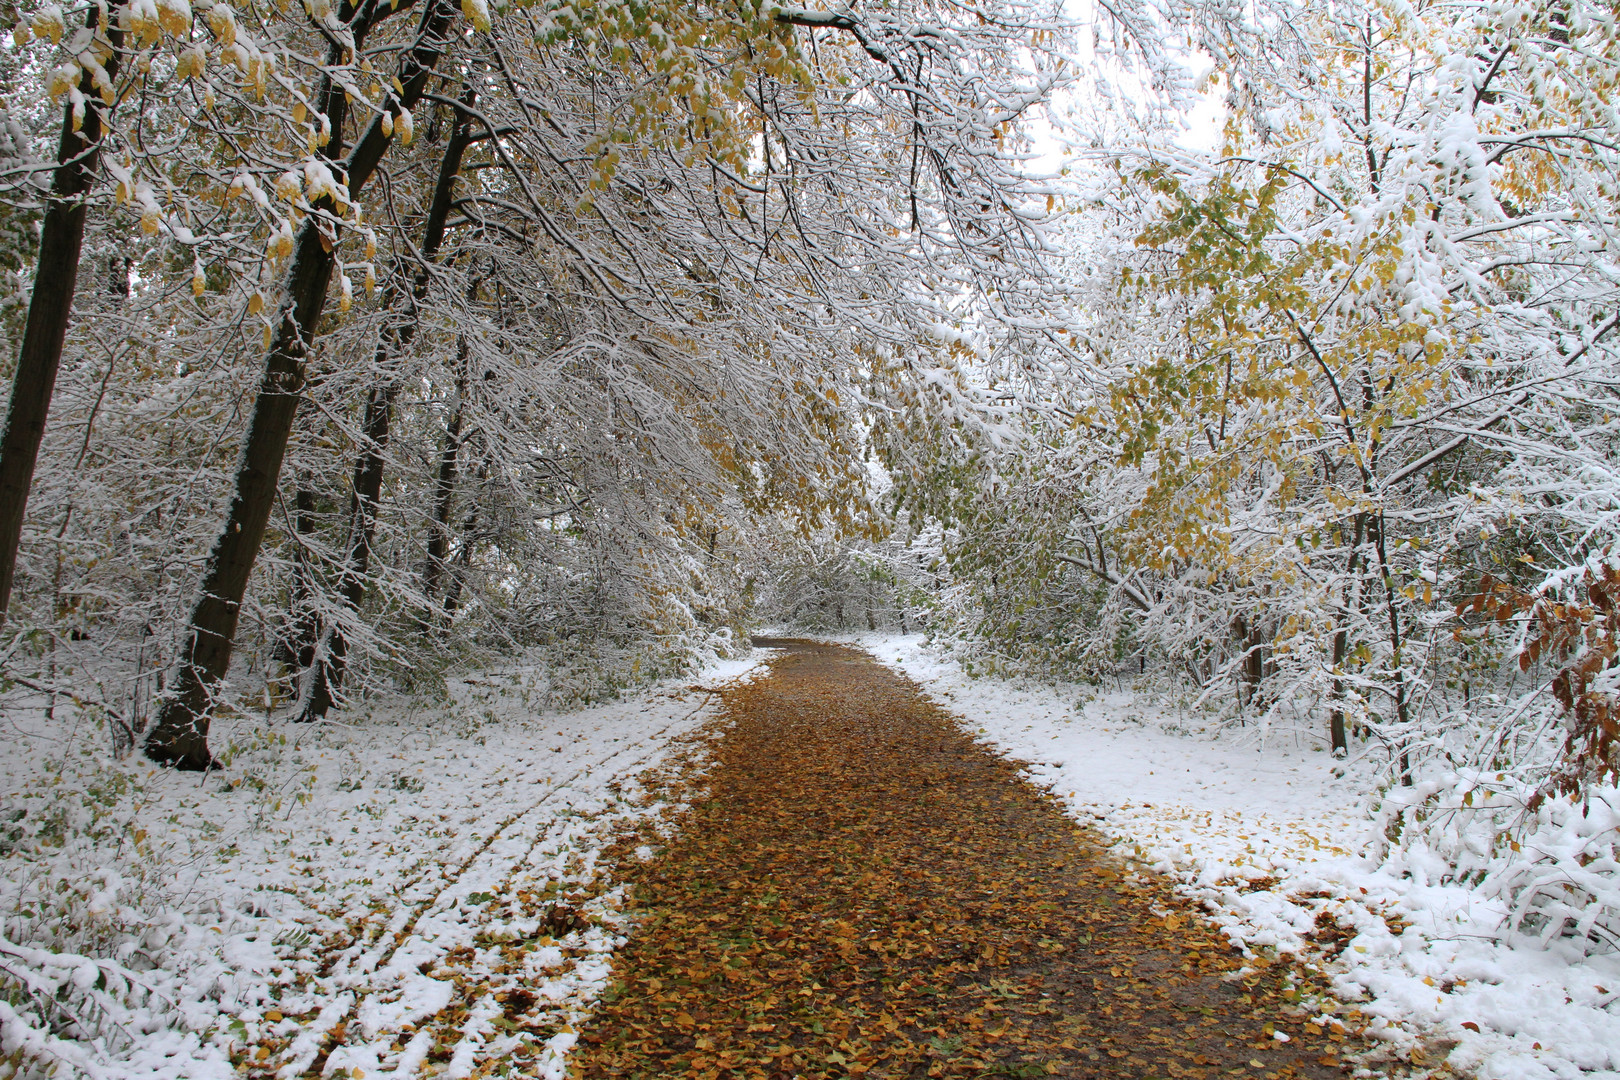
<point x="860" y="889"/>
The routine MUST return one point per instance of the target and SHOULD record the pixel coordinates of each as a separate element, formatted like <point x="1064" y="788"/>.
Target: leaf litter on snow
<point x="412" y="891"/>
<point x="1281" y="845"/>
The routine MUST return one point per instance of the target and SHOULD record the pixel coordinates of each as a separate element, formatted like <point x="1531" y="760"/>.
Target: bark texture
<point x="325" y="676"/>
<point x="444" y="489"/>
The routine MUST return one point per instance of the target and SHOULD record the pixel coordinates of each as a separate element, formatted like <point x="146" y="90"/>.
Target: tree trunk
<point x="1254" y="661"/>
<point x="180" y="736"/>
<point x="296" y="648"/>
<point x="1247" y="633"/>
<point x="56" y="274"/>
<point x="1341" y="642"/>
<point x="325" y="677"/>
<point x="1396" y="647"/>
<point x="444" y="489"/>
<point x="452" y="591"/>
<point x="1341" y="743"/>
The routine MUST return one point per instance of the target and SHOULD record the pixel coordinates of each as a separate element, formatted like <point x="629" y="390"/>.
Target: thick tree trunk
<point x="181" y="732"/>
<point x="180" y="736"/>
<point x="325" y="677"/>
<point x="56" y="274"/>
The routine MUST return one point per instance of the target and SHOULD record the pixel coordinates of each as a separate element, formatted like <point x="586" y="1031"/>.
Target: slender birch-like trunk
<point x="325" y="676"/>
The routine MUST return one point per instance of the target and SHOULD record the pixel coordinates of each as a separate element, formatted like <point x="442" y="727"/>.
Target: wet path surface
<point x="859" y="889"/>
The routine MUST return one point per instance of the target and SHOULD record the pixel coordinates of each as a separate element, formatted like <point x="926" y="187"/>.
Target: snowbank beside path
<point x="406" y="892"/>
<point x="1275" y="840"/>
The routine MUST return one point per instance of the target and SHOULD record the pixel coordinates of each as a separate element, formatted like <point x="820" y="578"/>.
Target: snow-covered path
<point x="1277" y="841"/>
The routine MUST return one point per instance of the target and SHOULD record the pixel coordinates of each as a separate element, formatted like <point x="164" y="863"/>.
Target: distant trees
<point x="840" y="584"/>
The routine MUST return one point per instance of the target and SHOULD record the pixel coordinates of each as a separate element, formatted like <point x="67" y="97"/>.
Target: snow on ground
<point x="1277" y="841"/>
<point x="409" y="892"/>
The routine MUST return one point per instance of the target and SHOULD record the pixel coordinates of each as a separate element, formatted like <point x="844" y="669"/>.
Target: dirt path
<point x="864" y="891"/>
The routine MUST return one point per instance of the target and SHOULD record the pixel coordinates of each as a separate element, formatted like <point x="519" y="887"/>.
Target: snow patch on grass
<point x="411" y="890"/>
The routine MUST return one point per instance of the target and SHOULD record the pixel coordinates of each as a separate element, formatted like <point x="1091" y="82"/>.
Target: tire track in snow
<point x="351" y="986"/>
<point x="562" y="786"/>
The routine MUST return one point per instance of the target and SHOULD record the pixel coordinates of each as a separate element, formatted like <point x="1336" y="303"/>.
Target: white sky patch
<point x="1112" y="84"/>
<point x="1201" y="132"/>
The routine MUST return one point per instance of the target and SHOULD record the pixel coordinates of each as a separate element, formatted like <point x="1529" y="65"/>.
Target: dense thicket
<point x="405" y="333"/>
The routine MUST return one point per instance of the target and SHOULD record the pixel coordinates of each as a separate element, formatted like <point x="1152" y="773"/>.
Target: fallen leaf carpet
<point x="855" y="887"/>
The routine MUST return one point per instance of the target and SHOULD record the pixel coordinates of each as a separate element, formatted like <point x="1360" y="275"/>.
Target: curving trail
<point x="859" y="889"/>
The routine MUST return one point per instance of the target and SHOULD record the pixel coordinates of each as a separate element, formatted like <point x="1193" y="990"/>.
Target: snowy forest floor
<point x="861" y="889"/>
<point x="806" y="869"/>
<point x="410" y="892"/>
